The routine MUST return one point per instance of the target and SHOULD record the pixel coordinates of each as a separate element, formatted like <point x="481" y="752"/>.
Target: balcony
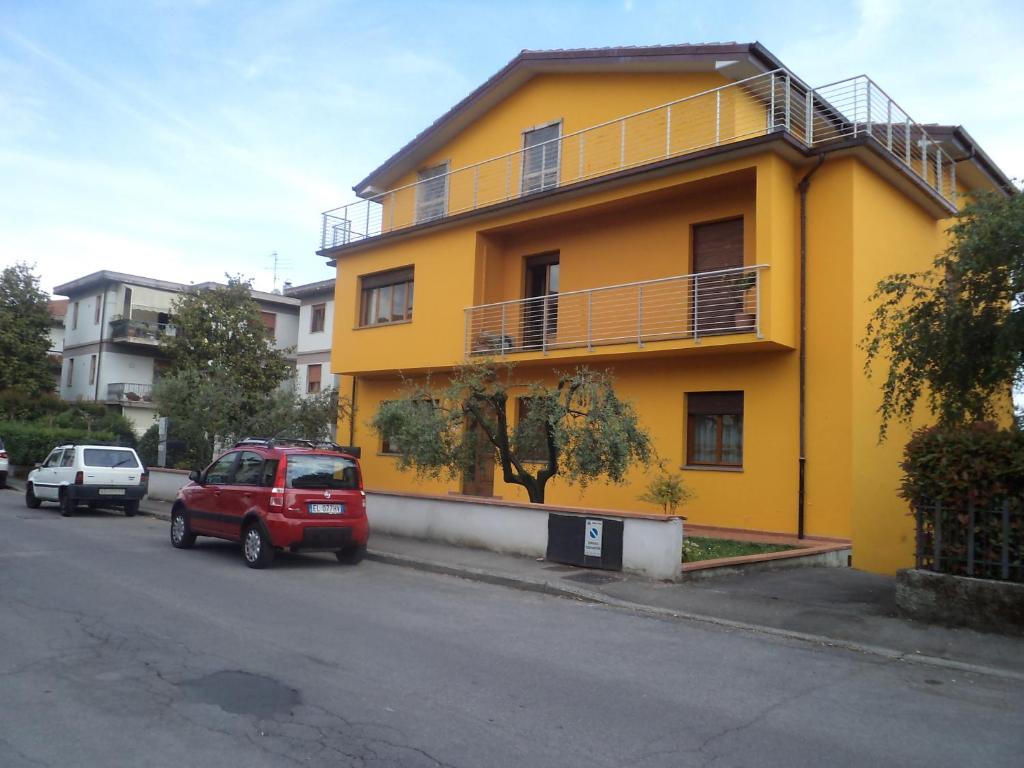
<point x="771" y="103"/>
<point x="690" y="307"/>
<point x="122" y="393"/>
<point x="145" y="332"/>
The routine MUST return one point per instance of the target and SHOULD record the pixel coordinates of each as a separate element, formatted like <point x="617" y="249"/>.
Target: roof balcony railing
<point x="122" y="392"/>
<point x="695" y="306"/>
<point x="767" y="103"/>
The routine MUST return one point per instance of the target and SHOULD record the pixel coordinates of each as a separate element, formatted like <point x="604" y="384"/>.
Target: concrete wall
<point x="985" y="604"/>
<point x="651" y="545"/>
<point x="165" y="483"/>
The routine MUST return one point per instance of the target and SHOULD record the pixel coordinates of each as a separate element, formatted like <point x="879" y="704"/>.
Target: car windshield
<point x="333" y="472"/>
<point x="110" y="457"/>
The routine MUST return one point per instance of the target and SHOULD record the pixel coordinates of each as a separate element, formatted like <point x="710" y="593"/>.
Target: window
<point x="92" y="369"/>
<point x="53" y="460"/>
<point x="221" y="471"/>
<point x="530" y="435"/>
<point x="317" y="316"/>
<point x="268" y="474"/>
<point x="250" y="466"/>
<point x="69" y="458"/>
<point x="386" y="297"/>
<point x="541" y="158"/>
<point x="109" y="457"/>
<point x="432" y="193"/>
<point x="96" y="309"/>
<point x="331" y="472"/>
<point x="269" y="321"/>
<point x="71" y="371"/>
<point x="313" y="378"/>
<point x="389" y="443"/>
<point x="714" y="431"/>
<point x="74" y="316"/>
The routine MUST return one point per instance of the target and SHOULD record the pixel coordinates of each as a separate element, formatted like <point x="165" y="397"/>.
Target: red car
<point x="271" y="495"/>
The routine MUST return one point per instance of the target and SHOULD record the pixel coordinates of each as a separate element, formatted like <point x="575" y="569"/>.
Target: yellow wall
<point x="860" y="228"/>
<point x="760" y="496"/>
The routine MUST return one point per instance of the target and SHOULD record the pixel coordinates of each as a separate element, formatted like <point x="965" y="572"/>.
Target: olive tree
<point x="576" y="428"/>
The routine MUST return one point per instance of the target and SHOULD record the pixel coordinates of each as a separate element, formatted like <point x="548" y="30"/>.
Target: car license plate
<point x="111" y="491"/>
<point x="326" y="509"/>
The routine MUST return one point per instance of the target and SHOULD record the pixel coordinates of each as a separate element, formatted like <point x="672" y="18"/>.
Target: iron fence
<point x="773" y="102"/>
<point x="983" y="541"/>
<point x="693" y="306"/>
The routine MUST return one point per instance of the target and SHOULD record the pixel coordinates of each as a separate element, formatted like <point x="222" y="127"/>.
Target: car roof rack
<point x="272" y="442"/>
<point x="296" y="442"/>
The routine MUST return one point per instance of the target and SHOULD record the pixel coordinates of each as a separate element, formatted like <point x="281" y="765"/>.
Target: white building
<point x="316" y="325"/>
<point x="112" y="333"/>
<point x="58" y="308"/>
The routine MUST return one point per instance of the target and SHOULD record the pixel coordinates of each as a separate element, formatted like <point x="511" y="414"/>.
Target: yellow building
<point x="696" y="219"/>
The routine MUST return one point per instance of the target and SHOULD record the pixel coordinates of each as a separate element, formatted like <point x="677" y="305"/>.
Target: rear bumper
<point x="108" y="493"/>
<point x="312" y="535"/>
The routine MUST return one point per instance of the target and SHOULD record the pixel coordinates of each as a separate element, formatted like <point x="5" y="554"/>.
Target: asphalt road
<point x="117" y="650"/>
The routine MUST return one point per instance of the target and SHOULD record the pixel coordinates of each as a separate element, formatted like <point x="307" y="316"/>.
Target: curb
<point x="547" y="588"/>
<point x="552" y="589"/>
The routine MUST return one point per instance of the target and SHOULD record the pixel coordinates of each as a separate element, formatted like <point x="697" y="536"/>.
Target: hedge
<point x="29" y="444"/>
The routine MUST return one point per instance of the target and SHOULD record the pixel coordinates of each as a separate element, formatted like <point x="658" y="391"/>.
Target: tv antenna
<point x="277" y="263"/>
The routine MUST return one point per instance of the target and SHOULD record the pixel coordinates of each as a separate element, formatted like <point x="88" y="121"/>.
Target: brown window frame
<point x="383" y="284"/>
<point x="716" y="405"/>
<point x="309" y="380"/>
<point x="269" y="320"/>
<point x="317" y="317"/>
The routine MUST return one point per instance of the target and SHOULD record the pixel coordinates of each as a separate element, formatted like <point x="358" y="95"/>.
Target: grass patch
<point x="701" y="548"/>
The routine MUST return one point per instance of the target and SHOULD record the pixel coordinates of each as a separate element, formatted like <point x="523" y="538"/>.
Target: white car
<point x="88" y="474"/>
<point x="3" y="464"/>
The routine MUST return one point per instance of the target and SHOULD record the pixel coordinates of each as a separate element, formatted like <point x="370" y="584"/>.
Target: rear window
<point x="332" y="472"/>
<point x="110" y="457"/>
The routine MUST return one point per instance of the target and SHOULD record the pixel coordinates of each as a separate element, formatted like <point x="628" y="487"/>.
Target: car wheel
<point x="67" y="504"/>
<point x="257" y="551"/>
<point x="131" y="508"/>
<point x="181" y="535"/>
<point x="30" y="498"/>
<point x="352" y="555"/>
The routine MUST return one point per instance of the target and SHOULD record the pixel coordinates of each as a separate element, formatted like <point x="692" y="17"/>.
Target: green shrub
<point x="29" y="443"/>
<point x="979" y="464"/>
<point x="17" y="405"/>
<point x="667" y="491"/>
<point x="181" y="453"/>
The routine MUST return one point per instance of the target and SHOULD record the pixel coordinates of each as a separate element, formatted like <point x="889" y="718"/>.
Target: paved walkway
<point x="834" y="606"/>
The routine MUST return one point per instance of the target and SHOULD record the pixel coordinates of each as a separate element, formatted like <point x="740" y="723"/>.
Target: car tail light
<point x="3" y="454"/>
<point x="79" y="477"/>
<point x="277" y="492"/>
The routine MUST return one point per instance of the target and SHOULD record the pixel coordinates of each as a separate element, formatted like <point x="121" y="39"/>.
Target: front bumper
<point x="108" y="493"/>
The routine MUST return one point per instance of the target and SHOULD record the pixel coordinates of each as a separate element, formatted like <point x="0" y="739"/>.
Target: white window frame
<point x="435" y="207"/>
<point x="532" y="182"/>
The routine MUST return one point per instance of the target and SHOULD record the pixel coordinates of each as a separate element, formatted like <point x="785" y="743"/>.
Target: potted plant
<point x="742" y="284"/>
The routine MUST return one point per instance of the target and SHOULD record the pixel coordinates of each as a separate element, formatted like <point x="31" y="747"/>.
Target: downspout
<point x="99" y="353"/>
<point x="803" y="186"/>
<point x="352" y="415"/>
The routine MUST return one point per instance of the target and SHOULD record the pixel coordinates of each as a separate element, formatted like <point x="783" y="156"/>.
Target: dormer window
<point x="432" y="193"/>
<point x="541" y="155"/>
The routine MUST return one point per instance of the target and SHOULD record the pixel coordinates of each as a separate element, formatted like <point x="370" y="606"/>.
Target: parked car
<point x="90" y="474"/>
<point x="271" y="496"/>
<point x="3" y="464"/>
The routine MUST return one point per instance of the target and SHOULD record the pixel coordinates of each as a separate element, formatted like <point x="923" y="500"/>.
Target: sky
<point x="189" y="139"/>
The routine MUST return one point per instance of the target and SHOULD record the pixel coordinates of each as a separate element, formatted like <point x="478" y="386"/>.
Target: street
<point x="117" y="650"/>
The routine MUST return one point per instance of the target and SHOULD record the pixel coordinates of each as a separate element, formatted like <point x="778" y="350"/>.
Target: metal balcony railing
<point x="768" y="103"/>
<point x="123" y="392"/>
<point x="693" y="306"/>
<point x="145" y="331"/>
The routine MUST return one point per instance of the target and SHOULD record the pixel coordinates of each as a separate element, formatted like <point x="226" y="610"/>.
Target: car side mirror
<point x="196" y="476"/>
<point x="37" y="465"/>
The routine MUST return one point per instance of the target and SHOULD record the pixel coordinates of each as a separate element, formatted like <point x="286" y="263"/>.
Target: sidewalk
<point x="840" y="607"/>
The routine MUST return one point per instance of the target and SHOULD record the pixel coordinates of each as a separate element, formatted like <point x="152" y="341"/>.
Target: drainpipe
<point x="803" y="186"/>
<point x="352" y="417"/>
<point x="99" y="352"/>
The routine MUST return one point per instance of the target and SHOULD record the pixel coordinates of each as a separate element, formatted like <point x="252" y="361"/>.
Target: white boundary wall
<point x="164" y="483"/>
<point x="651" y="545"/>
